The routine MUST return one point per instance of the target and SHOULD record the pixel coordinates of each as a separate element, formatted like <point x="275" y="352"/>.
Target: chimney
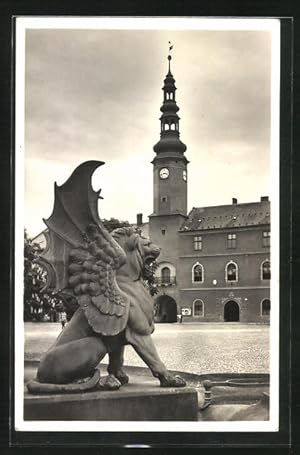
<point x="264" y="198"/>
<point x="234" y="200"/>
<point x="139" y="219"/>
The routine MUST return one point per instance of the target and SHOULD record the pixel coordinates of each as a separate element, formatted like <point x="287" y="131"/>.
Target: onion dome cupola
<point x="169" y="142"/>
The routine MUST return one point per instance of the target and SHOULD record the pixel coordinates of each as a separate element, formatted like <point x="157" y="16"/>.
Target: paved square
<point x="191" y="347"/>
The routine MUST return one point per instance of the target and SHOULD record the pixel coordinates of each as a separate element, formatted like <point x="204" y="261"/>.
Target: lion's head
<point x="140" y="251"/>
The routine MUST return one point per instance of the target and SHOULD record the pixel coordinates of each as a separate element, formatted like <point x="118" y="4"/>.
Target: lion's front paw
<point x="172" y="381"/>
<point x="109" y="382"/>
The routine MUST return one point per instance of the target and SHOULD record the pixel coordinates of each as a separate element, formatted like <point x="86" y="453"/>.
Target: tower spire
<point x="169" y="120"/>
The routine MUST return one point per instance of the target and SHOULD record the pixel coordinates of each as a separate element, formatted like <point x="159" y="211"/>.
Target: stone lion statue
<point x="106" y="274"/>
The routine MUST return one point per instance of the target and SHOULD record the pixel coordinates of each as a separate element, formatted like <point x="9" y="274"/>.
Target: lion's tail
<point x="36" y="387"/>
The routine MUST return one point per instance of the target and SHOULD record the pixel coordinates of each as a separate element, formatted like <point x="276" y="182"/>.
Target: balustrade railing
<point x="171" y="281"/>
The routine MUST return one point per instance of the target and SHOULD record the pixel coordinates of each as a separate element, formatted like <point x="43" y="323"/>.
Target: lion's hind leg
<point x="71" y="361"/>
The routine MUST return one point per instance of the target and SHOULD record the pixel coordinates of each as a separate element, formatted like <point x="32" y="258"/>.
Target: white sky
<point x="96" y="94"/>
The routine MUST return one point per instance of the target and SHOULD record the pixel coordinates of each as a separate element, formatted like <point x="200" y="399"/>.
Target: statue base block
<point x="140" y="400"/>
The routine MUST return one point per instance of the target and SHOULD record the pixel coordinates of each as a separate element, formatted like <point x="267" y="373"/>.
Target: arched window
<point x="165" y="275"/>
<point x="167" y="126"/>
<point x="197" y="273"/>
<point x="198" y="308"/>
<point x="265" y="307"/>
<point x="266" y="270"/>
<point x="266" y="238"/>
<point x="231" y="272"/>
<point x="173" y="126"/>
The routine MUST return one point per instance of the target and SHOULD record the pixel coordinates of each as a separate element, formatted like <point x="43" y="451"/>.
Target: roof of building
<point x="228" y="216"/>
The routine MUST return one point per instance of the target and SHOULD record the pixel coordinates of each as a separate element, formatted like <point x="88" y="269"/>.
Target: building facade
<point x="215" y="261"/>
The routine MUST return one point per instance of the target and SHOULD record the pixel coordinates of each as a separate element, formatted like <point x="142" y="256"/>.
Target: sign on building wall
<point x="186" y="312"/>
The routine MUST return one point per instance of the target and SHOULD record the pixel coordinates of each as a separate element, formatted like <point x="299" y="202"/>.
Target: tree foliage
<point x="37" y="303"/>
<point x="114" y="223"/>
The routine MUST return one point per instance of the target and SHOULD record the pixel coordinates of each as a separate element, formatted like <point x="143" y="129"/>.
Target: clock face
<point x="164" y="173"/>
<point x="184" y="176"/>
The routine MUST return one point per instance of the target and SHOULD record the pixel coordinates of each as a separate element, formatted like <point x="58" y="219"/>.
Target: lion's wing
<point x="93" y="279"/>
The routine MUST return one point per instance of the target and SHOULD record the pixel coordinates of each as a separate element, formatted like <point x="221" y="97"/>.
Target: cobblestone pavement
<point x="192" y="347"/>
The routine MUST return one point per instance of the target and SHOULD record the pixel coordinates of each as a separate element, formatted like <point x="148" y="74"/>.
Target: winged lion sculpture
<point x="105" y="273"/>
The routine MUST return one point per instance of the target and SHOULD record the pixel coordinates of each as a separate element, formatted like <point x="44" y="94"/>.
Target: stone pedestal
<point x="133" y="402"/>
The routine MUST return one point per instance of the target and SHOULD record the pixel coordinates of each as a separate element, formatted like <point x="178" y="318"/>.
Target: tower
<point x="169" y="164"/>
<point x="169" y="201"/>
<point x="169" y="174"/>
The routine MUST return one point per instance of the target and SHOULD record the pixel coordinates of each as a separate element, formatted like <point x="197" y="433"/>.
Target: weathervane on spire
<point x="169" y="56"/>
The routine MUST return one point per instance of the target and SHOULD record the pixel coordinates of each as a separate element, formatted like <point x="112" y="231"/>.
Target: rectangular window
<point x="266" y="238"/>
<point x="198" y="242"/>
<point x="231" y="241"/>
